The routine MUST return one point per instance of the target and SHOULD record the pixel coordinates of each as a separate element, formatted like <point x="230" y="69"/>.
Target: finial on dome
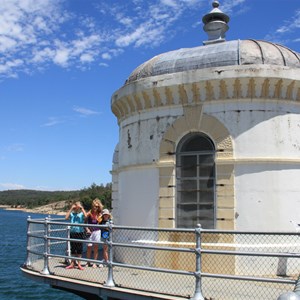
<point x="215" y="24"/>
<point x="216" y="3"/>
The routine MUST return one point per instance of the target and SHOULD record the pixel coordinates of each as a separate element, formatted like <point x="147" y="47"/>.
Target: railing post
<point x="110" y="279"/>
<point x="68" y="250"/>
<point x="48" y="235"/>
<point x="295" y="295"/>
<point x="289" y="296"/>
<point x="46" y="248"/>
<point x="297" y="286"/>
<point x="28" y="260"/>
<point x="198" y="285"/>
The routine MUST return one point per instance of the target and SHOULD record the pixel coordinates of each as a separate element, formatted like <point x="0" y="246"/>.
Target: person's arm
<point x="84" y="212"/>
<point x="69" y="212"/>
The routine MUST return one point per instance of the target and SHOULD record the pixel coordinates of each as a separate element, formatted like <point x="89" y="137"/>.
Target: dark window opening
<point x="195" y="182"/>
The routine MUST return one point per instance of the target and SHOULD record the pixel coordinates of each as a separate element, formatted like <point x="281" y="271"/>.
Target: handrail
<point x="195" y="247"/>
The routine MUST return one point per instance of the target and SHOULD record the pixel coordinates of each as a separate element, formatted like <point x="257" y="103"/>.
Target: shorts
<point x="94" y="237"/>
<point x="76" y="247"/>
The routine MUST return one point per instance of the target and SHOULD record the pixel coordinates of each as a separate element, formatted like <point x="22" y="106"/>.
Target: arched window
<point x="195" y="182"/>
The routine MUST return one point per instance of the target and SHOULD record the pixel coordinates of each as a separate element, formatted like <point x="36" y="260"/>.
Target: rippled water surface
<point x="13" y="285"/>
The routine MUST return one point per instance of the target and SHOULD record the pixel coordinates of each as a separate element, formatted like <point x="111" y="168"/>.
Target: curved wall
<point x="252" y="115"/>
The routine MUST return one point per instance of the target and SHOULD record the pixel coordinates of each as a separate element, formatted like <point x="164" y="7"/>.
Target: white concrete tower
<point x="210" y="135"/>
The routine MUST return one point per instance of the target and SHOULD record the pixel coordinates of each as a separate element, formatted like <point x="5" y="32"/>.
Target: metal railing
<point x="189" y="263"/>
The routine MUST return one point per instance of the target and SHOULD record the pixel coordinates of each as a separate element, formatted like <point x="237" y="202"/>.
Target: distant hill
<point x="32" y="198"/>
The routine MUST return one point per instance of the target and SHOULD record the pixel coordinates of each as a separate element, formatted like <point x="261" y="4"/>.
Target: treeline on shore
<point x="33" y="198"/>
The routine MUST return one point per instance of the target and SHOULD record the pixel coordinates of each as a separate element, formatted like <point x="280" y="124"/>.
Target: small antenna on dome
<point x="215" y="24"/>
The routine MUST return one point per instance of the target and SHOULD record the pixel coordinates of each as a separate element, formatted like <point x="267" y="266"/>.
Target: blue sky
<point x="61" y="60"/>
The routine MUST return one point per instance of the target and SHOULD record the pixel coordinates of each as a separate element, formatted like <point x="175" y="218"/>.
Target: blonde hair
<point x="97" y="202"/>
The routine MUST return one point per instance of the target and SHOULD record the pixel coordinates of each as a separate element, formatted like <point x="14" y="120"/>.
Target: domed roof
<point x="229" y="53"/>
<point x="216" y="52"/>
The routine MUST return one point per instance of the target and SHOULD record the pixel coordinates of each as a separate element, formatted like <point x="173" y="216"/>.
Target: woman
<point x="94" y="217"/>
<point x="77" y="215"/>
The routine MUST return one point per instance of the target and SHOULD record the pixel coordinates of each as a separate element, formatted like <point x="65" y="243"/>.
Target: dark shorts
<point x="76" y="247"/>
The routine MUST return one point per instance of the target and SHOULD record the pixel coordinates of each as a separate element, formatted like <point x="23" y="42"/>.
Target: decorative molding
<point x="186" y="94"/>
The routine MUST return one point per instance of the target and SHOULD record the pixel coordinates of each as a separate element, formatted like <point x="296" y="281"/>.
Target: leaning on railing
<point x="263" y="265"/>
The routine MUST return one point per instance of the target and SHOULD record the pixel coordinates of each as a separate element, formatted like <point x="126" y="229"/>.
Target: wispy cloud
<point x="37" y="33"/>
<point x="15" y="148"/>
<point x="17" y="186"/>
<point x="85" y="111"/>
<point x="11" y="186"/>
<point x="290" y="25"/>
<point x="230" y="6"/>
<point x="52" y="121"/>
<point x="152" y="22"/>
<point x="287" y="29"/>
<point x="81" y="111"/>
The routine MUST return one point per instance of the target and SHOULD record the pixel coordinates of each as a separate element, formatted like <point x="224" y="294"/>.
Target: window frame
<point x="198" y="154"/>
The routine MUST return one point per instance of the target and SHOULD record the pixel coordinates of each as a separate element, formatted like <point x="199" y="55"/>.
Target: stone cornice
<point x="219" y="161"/>
<point x="215" y="84"/>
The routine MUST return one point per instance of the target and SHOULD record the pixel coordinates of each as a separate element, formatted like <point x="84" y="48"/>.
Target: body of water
<point x="13" y="285"/>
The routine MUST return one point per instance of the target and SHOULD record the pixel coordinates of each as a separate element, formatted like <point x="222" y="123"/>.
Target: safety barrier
<point x="188" y="263"/>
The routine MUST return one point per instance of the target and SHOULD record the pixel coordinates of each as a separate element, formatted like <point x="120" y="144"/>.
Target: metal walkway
<point x="153" y="263"/>
<point x="92" y="281"/>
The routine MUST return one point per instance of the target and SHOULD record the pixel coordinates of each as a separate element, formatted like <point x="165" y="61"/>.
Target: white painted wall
<point x="138" y="191"/>
<point x="266" y="140"/>
<point x="267" y="197"/>
<point x="261" y="129"/>
<point x="266" y="149"/>
<point x="145" y="133"/>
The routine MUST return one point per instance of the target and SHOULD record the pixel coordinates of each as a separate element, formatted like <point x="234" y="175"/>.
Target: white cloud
<point x="106" y="56"/>
<point x="126" y="40"/>
<point x="61" y="56"/>
<point x="8" y="67"/>
<point x="85" y="43"/>
<point x="52" y="121"/>
<point x="43" y="55"/>
<point x="126" y="21"/>
<point x="111" y="53"/>
<point x="85" y="111"/>
<point x="229" y="5"/>
<point x="152" y="22"/>
<point x="104" y="65"/>
<point x="37" y="33"/>
<point x="15" y="148"/>
<point x="171" y="3"/>
<point x="290" y="25"/>
<point x="87" y="58"/>
<point x="6" y="43"/>
<point x="11" y="186"/>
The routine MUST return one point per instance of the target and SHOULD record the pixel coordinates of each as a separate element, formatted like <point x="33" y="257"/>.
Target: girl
<point x="106" y="220"/>
<point x="94" y="217"/>
<point x="77" y="215"/>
